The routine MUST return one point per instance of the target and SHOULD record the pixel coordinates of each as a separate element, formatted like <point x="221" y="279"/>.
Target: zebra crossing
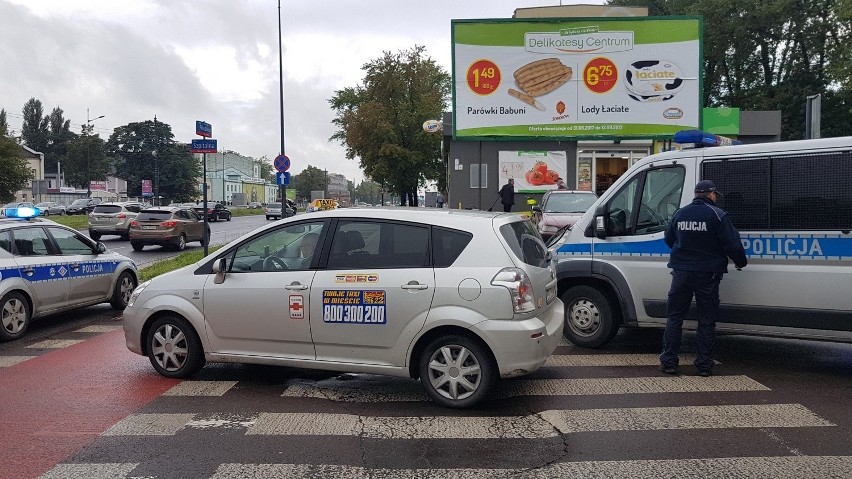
<point x="364" y="426"/>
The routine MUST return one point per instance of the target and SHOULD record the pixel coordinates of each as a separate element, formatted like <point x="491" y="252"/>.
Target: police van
<point x="791" y="202"/>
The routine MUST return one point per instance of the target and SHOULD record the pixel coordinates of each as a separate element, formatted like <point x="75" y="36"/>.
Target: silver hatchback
<point x="455" y="298"/>
<point x="113" y="219"/>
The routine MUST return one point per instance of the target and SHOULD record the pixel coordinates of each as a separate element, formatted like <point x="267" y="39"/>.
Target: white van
<point x="791" y="202"/>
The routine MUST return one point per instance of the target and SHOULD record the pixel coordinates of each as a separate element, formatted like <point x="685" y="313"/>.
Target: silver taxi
<point x="46" y="268"/>
<point x="456" y="298"/>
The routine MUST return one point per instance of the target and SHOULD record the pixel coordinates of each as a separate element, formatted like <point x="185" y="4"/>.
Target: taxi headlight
<point x="136" y="292"/>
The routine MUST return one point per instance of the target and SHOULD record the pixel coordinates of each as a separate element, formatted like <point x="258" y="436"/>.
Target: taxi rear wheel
<point x="456" y="371"/>
<point x="14" y="316"/>
<point x="123" y="289"/>
<point x="174" y="348"/>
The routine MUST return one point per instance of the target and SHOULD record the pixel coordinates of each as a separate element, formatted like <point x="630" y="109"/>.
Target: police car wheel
<point x="590" y="320"/>
<point x="174" y="348"/>
<point x="123" y="289"/>
<point x="14" y="316"/>
<point x="137" y="246"/>
<point x="456" y="371"/>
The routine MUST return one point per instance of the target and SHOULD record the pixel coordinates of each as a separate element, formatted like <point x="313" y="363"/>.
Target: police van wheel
<point x="456" y="371"/>
<point x="174" y="348"/>
<point x="123" y="289"/>
<point x="590" y="320"/>
<point x="14" y="316"/>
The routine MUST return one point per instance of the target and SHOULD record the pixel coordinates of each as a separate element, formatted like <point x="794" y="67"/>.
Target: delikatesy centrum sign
<point x="576" y="78"/>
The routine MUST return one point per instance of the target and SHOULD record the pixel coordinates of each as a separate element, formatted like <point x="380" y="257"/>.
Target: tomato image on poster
<point x="533" y="171"/>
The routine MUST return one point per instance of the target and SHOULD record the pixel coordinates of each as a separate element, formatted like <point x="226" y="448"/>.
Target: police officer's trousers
<point x="705" y="287"/>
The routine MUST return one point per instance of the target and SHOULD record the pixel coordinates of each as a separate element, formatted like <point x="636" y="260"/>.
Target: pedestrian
<point x="560" y="184"/>
<point x="507" y="195"/>
<point x="702" y="238"/>
<point x="440" y="200"/>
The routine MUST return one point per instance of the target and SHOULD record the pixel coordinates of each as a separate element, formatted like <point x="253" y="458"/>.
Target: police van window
<point x="365" y="244"/>
<point x="745" y="186"/>
<point x="811" y="192"/>
<point x="661" y="196"/>
<point x="447" y="245"/>
<point x="70" y="242"/>
<point x="31" y="242"/>
<point x="621" y="208"/>
<point x="5" y="241"/>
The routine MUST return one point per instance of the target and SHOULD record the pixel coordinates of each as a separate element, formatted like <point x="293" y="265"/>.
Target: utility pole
<point x="156" y="164"/>
<point x="88" y="166"/>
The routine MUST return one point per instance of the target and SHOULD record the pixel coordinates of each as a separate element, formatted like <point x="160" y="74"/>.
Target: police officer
<point x="702" y="238"/>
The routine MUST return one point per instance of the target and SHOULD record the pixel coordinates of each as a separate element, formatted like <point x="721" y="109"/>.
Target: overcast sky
<point x="217" y="61"/>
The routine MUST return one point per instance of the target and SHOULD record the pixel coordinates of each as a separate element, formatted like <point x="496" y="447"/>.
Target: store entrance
<point x="598" y="169"/>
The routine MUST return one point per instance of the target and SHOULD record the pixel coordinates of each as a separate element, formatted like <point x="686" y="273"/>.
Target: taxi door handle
<point x="414" y="285"/>
<point x="296" y="286"/>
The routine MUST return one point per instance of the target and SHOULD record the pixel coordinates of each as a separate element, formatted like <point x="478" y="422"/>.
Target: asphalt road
<point x="78" y="404"/>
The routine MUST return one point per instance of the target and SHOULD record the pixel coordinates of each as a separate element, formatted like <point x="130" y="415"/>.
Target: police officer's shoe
<point x="705" y="373"/>
<point x="668" y="369"/>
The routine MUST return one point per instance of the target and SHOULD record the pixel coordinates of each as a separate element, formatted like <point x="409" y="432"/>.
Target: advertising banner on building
<point x="147" y="189"/>
<point x="576" y="78"/>
<point x="533" y="171"/>
<point x="98" y="185"/>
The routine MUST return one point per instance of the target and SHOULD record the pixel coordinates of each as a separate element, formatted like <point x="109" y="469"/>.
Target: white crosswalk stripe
<point x="609" y="360"/>
<point x="410" y="390"/>
<point x="6" y="361"/>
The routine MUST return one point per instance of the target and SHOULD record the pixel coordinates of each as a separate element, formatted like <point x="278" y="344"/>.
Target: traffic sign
<point x="204" y="146"/>
<point x="281" y="163"/>
<point x="204" y="129"/>
<point x="282" y="178"/>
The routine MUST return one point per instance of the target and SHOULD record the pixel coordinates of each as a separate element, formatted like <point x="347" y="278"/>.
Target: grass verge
<point x="78" y="222"/>
<point x="170" y="264"/>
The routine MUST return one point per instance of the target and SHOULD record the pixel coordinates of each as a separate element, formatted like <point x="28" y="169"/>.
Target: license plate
<point x="551" y="294"/>
<point x="149" y="227"/>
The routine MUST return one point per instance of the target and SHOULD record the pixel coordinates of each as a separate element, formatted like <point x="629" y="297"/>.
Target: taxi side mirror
<point x="219" y="267"/>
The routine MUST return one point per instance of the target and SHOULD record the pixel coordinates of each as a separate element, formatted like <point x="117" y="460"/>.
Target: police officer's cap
<point x="706" y="186"/>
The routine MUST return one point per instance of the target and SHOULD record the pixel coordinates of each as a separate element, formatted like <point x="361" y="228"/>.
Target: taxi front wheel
<point x="14" y="316"/>
<point x="174" y="348"/>
<point x="457" y="371"/>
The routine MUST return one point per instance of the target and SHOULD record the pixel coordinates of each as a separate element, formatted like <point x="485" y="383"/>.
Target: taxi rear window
<point x="154" y="215"/>
<point x="107" y="209"/>
<point x="447" y="245"/>
<point x="525" y="243"/>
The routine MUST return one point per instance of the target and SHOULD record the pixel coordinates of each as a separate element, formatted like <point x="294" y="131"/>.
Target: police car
<point x="47" y="268"/>
<point x="455" y="298"/>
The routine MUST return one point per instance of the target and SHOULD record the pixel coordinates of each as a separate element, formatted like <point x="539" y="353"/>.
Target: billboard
<point x="98" y="185"/>
<point x="147" y="189"/>
<point x="533" y="171"/>
<point x="576" y="78"/>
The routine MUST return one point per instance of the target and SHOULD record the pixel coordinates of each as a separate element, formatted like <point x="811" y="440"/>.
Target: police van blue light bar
<point x="22" y="212"/>
<point x="702" y="138"/>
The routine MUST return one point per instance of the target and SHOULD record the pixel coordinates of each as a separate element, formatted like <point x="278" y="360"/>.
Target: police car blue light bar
<point x="702" y="138"/>
<point x="22" y="212"/>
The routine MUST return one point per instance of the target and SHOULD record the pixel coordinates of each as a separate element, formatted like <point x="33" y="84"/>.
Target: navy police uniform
<point x="702" y="238"/>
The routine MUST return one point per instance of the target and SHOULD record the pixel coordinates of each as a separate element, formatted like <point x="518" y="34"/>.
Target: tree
<point x="138" y="149"/>
<point x="266" y="169"/>
<point x="16" y="172"/>
<point x="59" y="136"/>
<point x="761" y="55"/>
<point x="368" y="191"/>
<point x="310" y="179"/>
<point x="4" y="124"/>
<point x="34" y="129"/>
<point x="380" y="122"/>
<point x="86" y="160"/>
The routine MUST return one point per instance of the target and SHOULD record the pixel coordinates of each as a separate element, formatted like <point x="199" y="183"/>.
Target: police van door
<point x="374" y="294"/>
<point x="634" y="247"/>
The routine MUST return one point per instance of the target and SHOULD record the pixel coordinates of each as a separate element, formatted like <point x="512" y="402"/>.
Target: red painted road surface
<point x="53" y="405"/>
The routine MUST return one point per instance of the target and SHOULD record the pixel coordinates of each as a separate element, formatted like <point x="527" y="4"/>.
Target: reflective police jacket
<point x="702" y="238"/>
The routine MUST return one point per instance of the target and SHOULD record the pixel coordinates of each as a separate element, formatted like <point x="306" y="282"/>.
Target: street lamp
<point x="88" y="168"/>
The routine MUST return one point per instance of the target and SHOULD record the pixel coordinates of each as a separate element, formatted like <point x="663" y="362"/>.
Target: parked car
<point x="458" y="299"/>
<point x="273" y="210"/>
<point x="82" y="206"/>
<point x="214" y="212"/>
<point x="167" y="226"/>
<point x="113" y="219"/>
<point x="254" y="205"/>
<point x="51" y="208"/>
<point x="47" y="268"/>
<point x="561" y="208"/>
<point x="17" y="204"/>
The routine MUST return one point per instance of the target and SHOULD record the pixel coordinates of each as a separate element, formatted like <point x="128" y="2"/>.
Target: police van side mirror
<point x="600" y="222"/>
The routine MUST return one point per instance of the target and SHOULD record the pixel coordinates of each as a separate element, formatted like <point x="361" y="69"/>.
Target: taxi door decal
<point x="354" y="306"/>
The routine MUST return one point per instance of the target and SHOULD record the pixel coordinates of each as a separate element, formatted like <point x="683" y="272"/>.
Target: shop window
<point x="478" y="175"/>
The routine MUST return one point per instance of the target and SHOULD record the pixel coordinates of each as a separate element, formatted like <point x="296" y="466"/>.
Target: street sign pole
<point x="205" y="131"/>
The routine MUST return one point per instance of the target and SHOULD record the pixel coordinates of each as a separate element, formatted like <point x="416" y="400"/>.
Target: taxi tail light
<point x="134" y="224"/>
<point x="169" y="224"/>
<point x="519" y="286"/>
